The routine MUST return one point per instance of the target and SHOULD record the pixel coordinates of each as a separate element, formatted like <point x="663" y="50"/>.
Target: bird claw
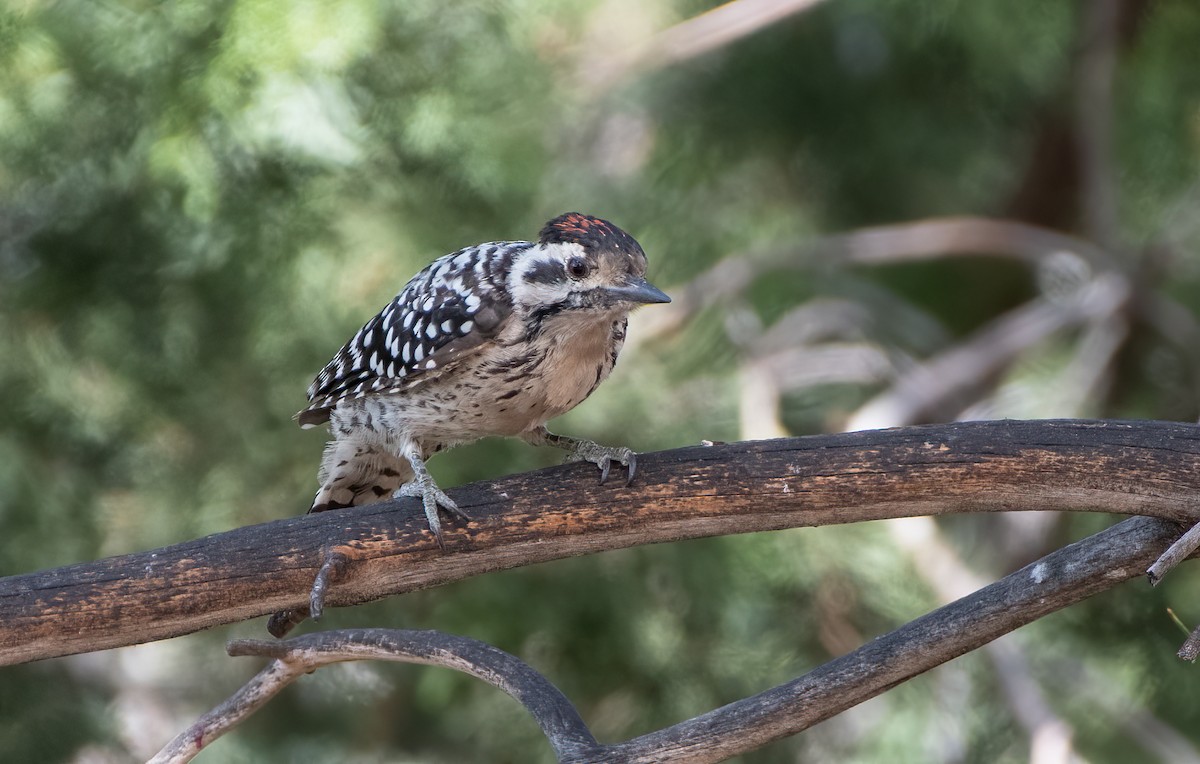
<point x="432" y="498"/>
<point x="333" y="564"/>
<point x="603" y="457"/>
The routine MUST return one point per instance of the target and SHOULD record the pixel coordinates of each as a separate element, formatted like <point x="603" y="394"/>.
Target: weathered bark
<point x="1142" y="468"/>
<point x="1058" y="580"/>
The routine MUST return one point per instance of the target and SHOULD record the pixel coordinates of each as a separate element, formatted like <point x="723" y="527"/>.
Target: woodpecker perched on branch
<point x="494" y="339"/>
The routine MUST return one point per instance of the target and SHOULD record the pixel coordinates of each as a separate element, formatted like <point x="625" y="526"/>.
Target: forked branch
<point x="301" y="655"/>
<point x="1058" y="580"/>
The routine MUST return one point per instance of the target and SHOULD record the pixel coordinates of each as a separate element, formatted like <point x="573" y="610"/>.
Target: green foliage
<point x="200" y="201"/>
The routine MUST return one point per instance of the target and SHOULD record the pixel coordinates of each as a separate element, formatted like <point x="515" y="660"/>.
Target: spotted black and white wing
<point x="450" y="308"/>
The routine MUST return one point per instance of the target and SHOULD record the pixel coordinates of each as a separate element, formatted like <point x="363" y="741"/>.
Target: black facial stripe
<point x="546" y="272"/>
<point x="533" y="326"/>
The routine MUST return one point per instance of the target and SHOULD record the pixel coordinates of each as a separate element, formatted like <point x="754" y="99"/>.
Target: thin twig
<point x="252" y="696"/>
<point x="1182" y="549"/>
<point x="1191" y="648"/>
<point x="293" y="658"/>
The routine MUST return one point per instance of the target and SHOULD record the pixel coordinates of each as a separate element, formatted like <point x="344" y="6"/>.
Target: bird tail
<point x="354" y="473"/>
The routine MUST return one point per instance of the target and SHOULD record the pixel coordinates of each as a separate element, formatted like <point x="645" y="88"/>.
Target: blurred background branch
<point x="697" y="36"/>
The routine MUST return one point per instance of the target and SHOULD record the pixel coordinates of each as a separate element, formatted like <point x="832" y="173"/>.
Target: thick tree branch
<point x="1058" y="580"/>
<point x="1146" y="468"/>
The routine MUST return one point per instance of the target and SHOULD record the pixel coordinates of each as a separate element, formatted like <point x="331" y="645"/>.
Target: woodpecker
<point x="494" y="339"/>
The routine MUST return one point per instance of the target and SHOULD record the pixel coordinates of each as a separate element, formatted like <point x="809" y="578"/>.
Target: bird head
<point x="583" y="263"/>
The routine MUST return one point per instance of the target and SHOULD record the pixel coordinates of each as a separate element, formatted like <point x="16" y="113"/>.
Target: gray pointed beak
<point x="638" y="290"/>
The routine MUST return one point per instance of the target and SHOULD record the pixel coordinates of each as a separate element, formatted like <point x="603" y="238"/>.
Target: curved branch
<point x="295" y="657"/>
<point x="1146" y="468"/>
<point x="1058" y="580"/>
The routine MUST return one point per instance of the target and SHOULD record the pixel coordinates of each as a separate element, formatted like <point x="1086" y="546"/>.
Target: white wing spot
<point x="467" y="327"/>
<point x="406" y="354"/>
<point x="418" y="353"/>
<point x="431" y="364"/>
<point x="447" y="326"/>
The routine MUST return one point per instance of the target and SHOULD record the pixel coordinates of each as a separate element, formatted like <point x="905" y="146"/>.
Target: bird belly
<point x="505" y="391"/>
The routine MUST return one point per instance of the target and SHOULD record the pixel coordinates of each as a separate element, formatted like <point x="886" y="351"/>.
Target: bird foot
<point x="603" y="457"/>
<point x="432" y="498"/>
<point x="333" y="564"/>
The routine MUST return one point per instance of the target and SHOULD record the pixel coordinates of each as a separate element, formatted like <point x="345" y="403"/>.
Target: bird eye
<point x="578" y="267"/>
